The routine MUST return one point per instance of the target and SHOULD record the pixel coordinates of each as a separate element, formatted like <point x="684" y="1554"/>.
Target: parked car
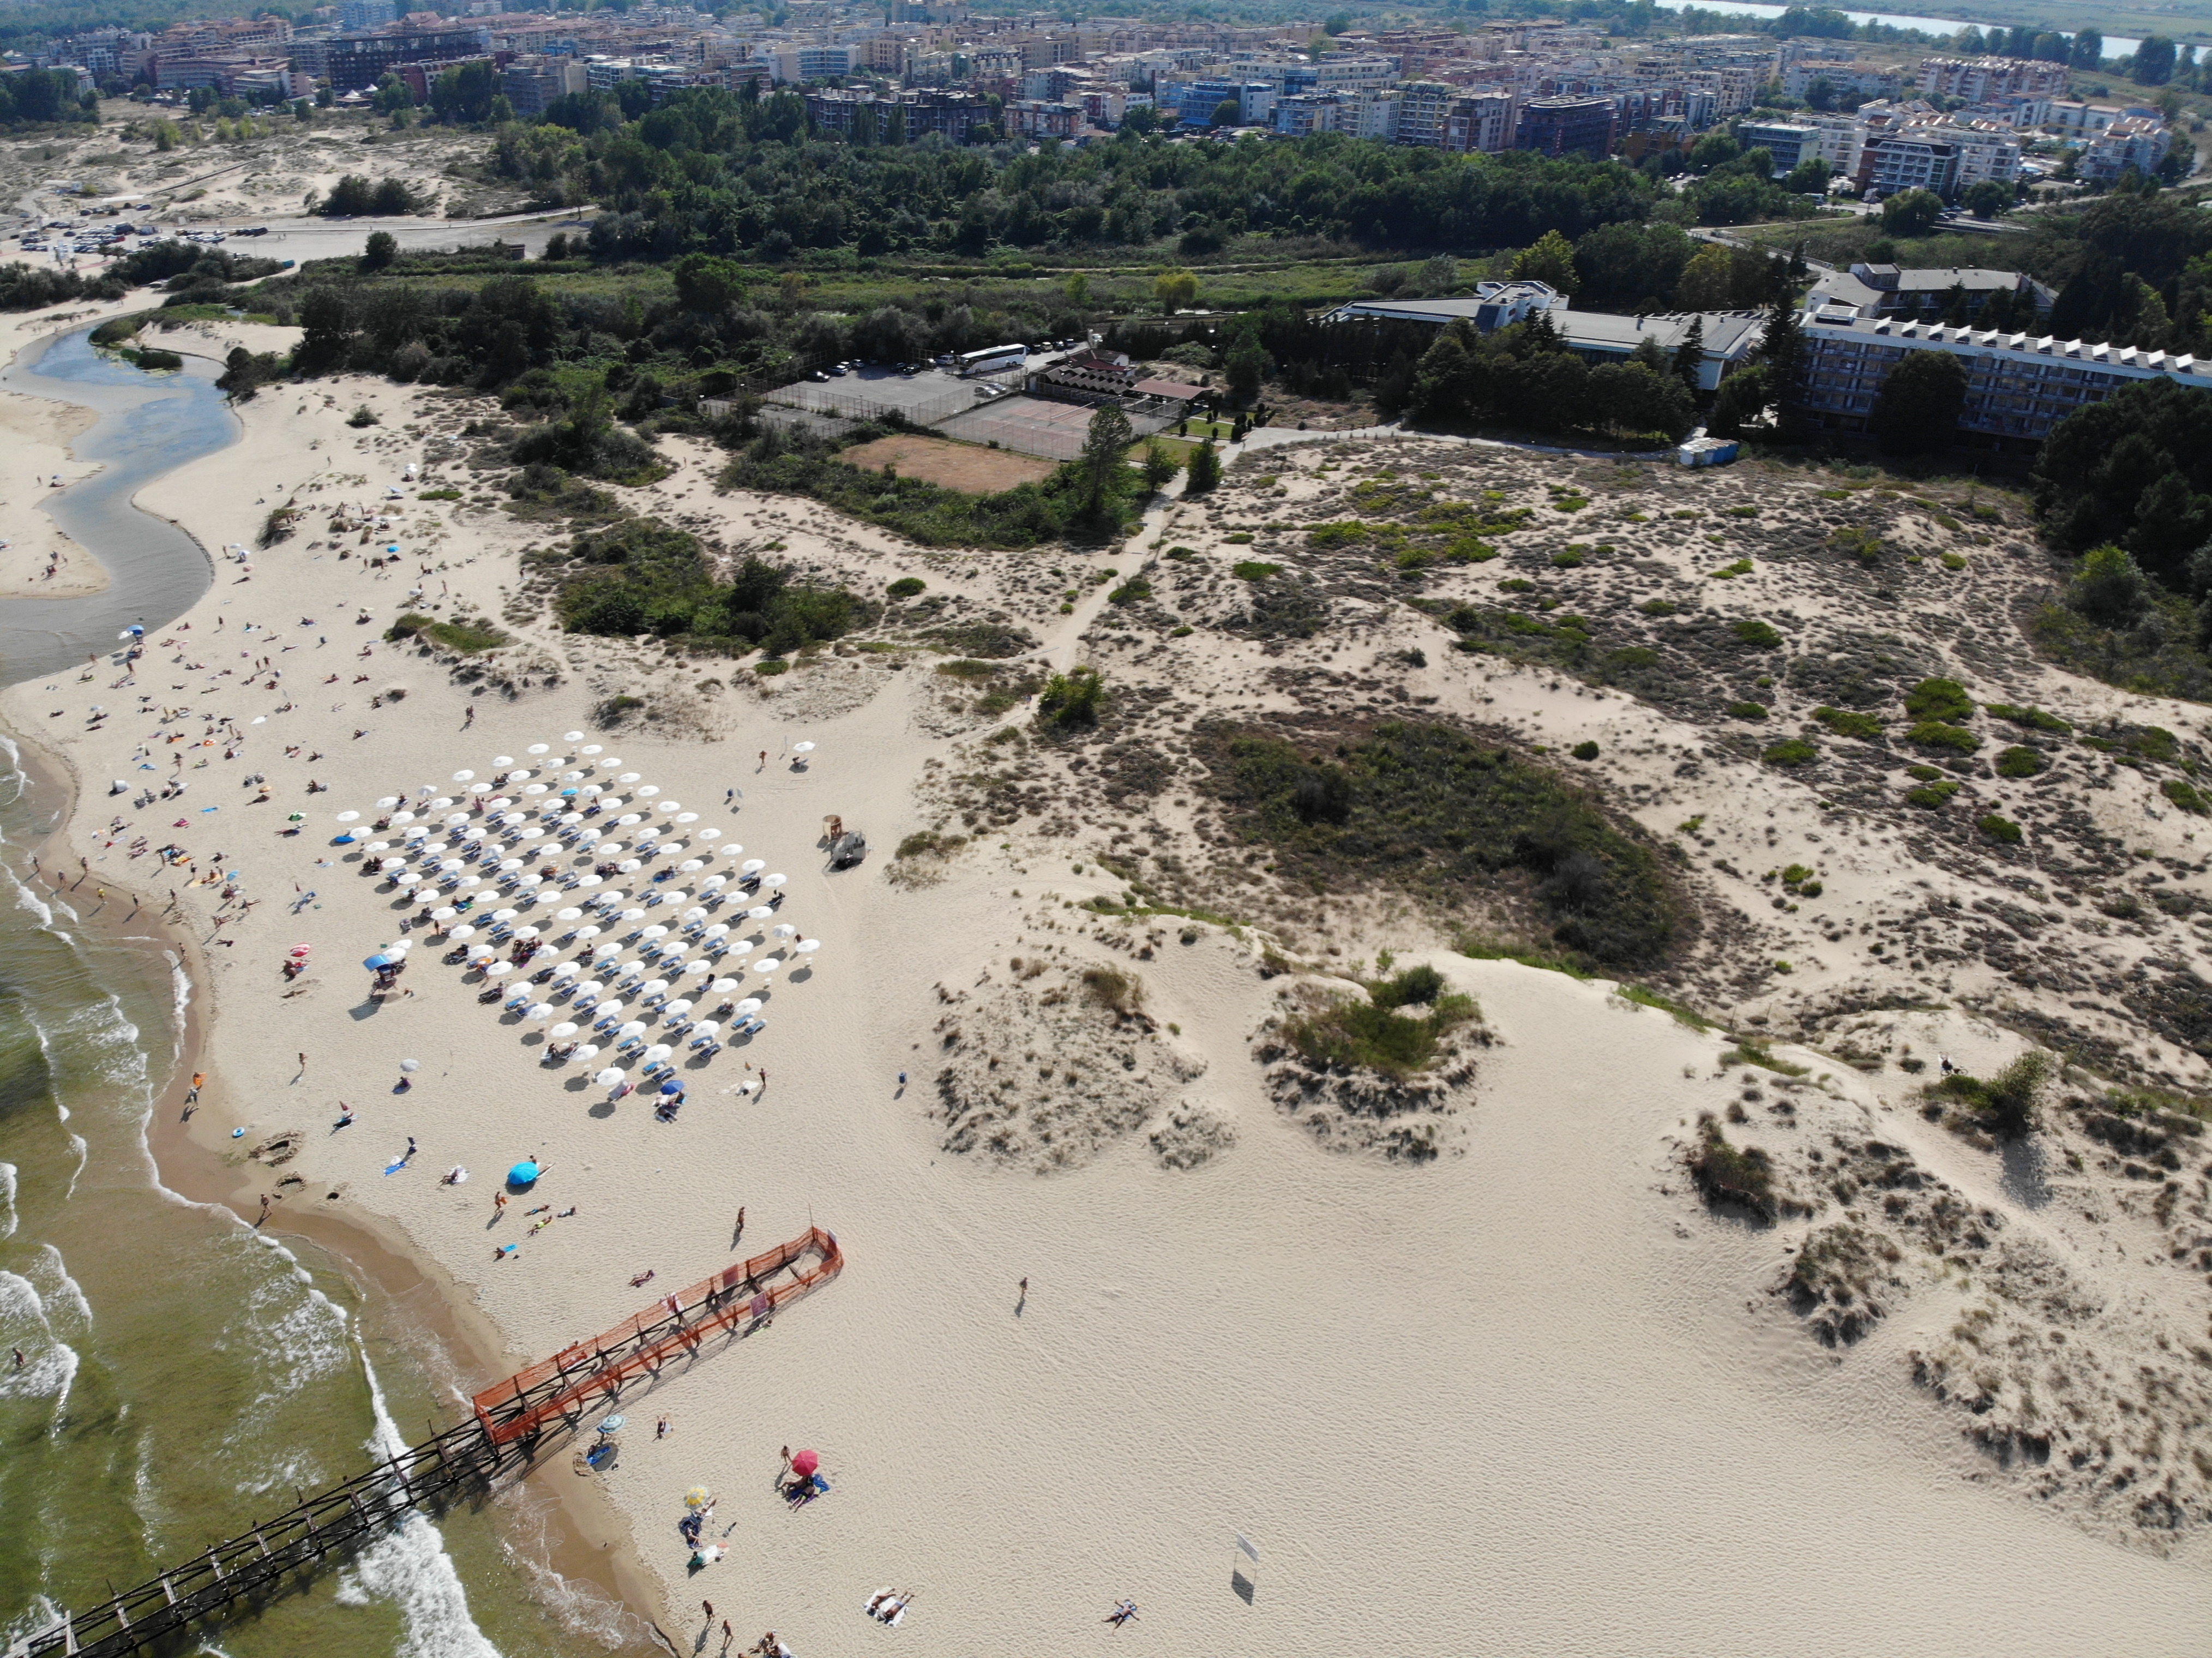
<point x="838" y="369"/>
<point x="819" y="376"/>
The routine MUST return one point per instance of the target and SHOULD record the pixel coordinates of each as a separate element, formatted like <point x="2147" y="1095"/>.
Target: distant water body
<point x="183" y="1375"/>
<point x="2115" y="46"/>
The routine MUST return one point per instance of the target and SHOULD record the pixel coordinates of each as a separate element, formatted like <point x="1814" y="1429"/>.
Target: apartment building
<point x="1908" y="158"/>
<point x="1888" y="290"/>
<point x="1566" y="126"/>
<point x="1854" y="80"/>
<point x="1978" y="78"/>
<point x="2130" y="142"/>
<point x="356" y="63"/>
<point x="1483" y="121"/>
<point x="1424" y="107"/>
<point x="2018" y="385"/>
<point x="1786" y="141"/>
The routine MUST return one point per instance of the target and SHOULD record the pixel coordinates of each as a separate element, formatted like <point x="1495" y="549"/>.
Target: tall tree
<point x="1100" y="465"/>
<point x="1918" y="408"/>
<point x="1690" y="354"/>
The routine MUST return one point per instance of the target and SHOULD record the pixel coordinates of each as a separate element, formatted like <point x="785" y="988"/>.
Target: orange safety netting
<point x="519" y="1407"/>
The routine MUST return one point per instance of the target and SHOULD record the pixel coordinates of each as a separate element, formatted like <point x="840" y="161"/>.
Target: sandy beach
<point x="1530" y="1397"/>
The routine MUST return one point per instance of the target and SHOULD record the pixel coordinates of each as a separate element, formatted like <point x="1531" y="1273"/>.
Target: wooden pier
<point x="512" y="1424"/>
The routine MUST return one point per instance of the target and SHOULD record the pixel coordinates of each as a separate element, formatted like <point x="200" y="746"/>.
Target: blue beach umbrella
<point x="523" y="1174"/>
<point x="378" y="961"/>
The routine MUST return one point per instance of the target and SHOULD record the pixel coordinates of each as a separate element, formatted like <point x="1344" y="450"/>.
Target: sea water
<point x="183" y="1376"/>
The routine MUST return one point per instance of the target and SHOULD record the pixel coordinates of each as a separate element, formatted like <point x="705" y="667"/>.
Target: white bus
<point x="989" y="361"/>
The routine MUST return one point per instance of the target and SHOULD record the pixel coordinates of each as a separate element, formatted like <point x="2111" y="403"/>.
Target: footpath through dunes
<point x="506" y="1435"/>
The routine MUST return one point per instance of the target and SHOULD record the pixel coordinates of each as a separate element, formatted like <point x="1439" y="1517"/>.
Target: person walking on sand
<point x="739" y="1236"/>
<point x="199" y="1081"/>
<point x="409" y="1157"/>
<point x="345" y="1117"/>
<point x="498" y="1205"/>
<point x="709" y="1605"/>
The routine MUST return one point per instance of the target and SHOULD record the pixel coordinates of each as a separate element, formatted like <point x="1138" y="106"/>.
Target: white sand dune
<point x="1530" y="1399"/>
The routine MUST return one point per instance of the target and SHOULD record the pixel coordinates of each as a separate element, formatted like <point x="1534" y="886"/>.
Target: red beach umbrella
<point x="804" y="1463"/>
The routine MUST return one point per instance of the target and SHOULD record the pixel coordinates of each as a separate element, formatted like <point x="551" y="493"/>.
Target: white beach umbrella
<point x="503" y="760"/>
<point x="510" y="864"/>
<point x="752" y="866"/>
<point x="505" y="915"/>
<point x="710" y="835"/>
<point x="759" y="913"/>
<point x="387" y="802"/>
<point x="588" y="1051"/>
<point x="590" y="748"/>
<point x="802" y="748"/>
<point x="561" y="1032"/>
<point x="589" y="989"/>
<point x="687" y="816"/>
<point x="461" y="933"/>
<point x="375" y="846"/>
<point x="649" y="790"/>
<point x="751" y="1004"/>
<point x="539" y="748"/>
<point x="774" y="881"/>
<point x="720" y="931"/>
<point x="781" y="930"/>
<point x="566" y="970"/>
<point x="628" y="776"/>
<point x="572" y="737"/>
<point x="607" y="952"/>
<point x="567" y="914"/>
<point x="713" y="882"/>
<point x="611" y="1078"/>
<point x="535" y="788"/>
<point x="739" y="951"/>
<point x="690" y="865"/>
<point x="584" y="933"/>
<point x="773" y="964"/>
<point x="633" y="1028"/>
<point x="807" y="946"/>
<point x="656" y="987"/>
<point x="480" y="952"/>
<point x="723" y="986"/>
<point x="630" y="867"/>
<point x="705" y="1028"/>
<point x="499" y="970"/>
<point x="526" y="933"/>
<point x="348" y="817"/>
<point x="465" y="777"/>
<point x="467" y="881"/>
<point x="444" y="914"/>
<point x="403" y="817"/>
<point x="538" y="1012"/>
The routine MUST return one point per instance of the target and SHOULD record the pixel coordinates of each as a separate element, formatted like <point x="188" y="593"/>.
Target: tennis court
<point x="1035" y="426"/>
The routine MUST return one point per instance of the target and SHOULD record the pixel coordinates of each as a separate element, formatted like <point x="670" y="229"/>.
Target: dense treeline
<point x="1524" y="376"/>
<point x="715" y="173"/>
<point x="2135" y="470"/>
<point x="33" y="95"/>
<point x="186" y="269"/>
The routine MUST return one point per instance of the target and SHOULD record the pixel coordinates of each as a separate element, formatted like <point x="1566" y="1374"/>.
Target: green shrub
<point x="439" y="495"/>
<point x="1934" y="734"/>
<point x="1072" y="700"/>
<point x="1659" y="607"/>
<point x="1584" y="750"/>
<point x="2034" y="720"/>
<point x="1862" y="544"/>
<point x="1729" y="1175"/>
<point x="1743" y="512"/>
<point x="1928" y="795"/>
<point x="1730" y="572"/>
<point x="1846" y="723"/>
<point x="1415" y="986"/>
<point x="1939" y="699"/>
<point x="1791" y="751"/>
<point x="769" y="666"/>
<point x="466" y="635"/>
<point x="2184" y="795"/>
<point x="1355" y="1034"/>
<point x="1745" y="711"/>
<point x="906" y="586"/>
<point x="2005" y="1104"/>
<point x="1132" y="591"/>
<point x="2018" y="762"/>
<point x="1999" y="828"/>
<point x="1253" y="569"/>
<point x="1759" y="635"/>
<point x="1431" y="809"/>
<point x="408" y="625"/>
<point x="1568" y="558"/>
<point x="1342" y="534"/>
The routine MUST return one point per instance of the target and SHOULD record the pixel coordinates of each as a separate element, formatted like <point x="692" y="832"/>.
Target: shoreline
<point x="588" y="1544"/>
<point x="596" y="1548"/>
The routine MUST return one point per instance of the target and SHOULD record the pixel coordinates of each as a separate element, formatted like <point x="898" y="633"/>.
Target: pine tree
<point x="1783" y="352"/>
<point x="1205" y="470"/>
<point x="1690" y="354"/>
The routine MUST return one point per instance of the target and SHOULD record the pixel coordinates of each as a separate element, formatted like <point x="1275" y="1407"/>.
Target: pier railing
<point x="509" y="1428"/>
